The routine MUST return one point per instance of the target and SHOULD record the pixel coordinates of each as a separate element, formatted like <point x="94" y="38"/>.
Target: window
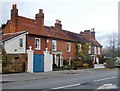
<point x="20" y="42"/>
<point x="68" y="46"/>
<point x="69" y="60"/>
<point x="89" y="50"/>
<point x="98" y="50"/>
<point x="54" y="46"/>
<point x="37" y="43"/>
<point x="79" y="47"/>
<point x="95" y="50"/>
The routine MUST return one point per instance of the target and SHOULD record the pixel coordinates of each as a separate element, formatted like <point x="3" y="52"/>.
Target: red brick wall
<point x="62" y="46"/>
<point x="31" y="42"/>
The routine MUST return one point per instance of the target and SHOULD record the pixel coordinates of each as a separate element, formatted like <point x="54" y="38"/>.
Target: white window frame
<point x="95" y="50"/>
<point x="54" y="43"/>
<point x="21" y="42"/>
<point x="68" y="47"/>
<point x="98" y="50"/>
<point x="80" y="47"/>
<point x="89" y="51"/>
<point x="37" y="44"/>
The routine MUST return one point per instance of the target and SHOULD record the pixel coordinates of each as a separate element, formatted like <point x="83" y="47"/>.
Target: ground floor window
<point x="69" y="60"/>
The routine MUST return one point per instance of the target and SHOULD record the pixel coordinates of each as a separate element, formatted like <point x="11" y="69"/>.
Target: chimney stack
<point x="93" y="32"/>
<point x="40" y="20"/>
<point x="14" y="15"/>
<point x="58" y="24"/>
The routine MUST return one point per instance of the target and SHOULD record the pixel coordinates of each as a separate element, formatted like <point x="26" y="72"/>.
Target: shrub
<point x="54" y="66"/>
<point x="101" y="59"/>
<point x="4" y="60"/>
<point x="75" y="65"/>
<point x="110" y="63"/>
<point x="79" y="64"/>
<point x="85" y="65"/>
<point x="66" y="67"/>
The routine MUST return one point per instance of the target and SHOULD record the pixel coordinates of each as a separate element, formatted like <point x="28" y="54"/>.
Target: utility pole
<point x="119" y="29"/>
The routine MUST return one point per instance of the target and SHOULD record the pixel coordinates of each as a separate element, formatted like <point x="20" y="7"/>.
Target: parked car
<point x="117" y="62"/>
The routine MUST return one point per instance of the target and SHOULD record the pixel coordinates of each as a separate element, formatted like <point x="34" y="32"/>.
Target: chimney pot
<point x="58" y="21"/>
<point x="40" y="10"/>
<point x="14" y="6"/>
<point x="58" y="24"/>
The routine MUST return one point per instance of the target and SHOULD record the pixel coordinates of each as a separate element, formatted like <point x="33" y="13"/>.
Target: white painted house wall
<point x="13" y="44"/>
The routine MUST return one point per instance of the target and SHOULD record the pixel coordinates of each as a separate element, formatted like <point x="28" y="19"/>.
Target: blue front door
<point x="38" y="63"/>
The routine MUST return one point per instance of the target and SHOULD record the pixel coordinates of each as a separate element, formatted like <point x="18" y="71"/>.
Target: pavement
<point x="16" y="77"/>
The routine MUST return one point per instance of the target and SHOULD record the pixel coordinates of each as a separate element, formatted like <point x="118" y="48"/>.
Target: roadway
<point x="93" y="79"/>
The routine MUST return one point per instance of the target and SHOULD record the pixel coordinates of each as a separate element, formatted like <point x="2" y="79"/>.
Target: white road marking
<point x="67" y="86"/>
<point x="105" y="79"/>
<point x="108" y="86"/>
<point x="73" y="85"/>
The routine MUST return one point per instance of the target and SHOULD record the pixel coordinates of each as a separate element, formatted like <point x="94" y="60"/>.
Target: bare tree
<point x="113" y="44"/>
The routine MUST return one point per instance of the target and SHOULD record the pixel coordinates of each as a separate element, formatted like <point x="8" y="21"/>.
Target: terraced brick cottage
<point x="61" y="43"/>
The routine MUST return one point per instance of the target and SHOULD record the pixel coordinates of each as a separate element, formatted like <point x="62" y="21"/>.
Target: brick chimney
<point x="40" y="20"/>
<point x="14" y="15"/>
<point x="58" y="24"/>
<point x="93" y="32"/>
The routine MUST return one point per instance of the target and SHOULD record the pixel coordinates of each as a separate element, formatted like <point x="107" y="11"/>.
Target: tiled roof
<point x="6" y="37"/>
<point x="63" y="34"/>
<point x="91" y="40"/>
<point x="29" y="25"/>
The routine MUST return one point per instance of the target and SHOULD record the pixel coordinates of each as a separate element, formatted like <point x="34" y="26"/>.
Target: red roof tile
<point x="6" y="37"/>
<point x="29" y="25"/>
<point x="91" y="40"/>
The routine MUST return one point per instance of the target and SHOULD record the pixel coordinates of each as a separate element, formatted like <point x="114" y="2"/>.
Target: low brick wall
<point x="16" y="63"/>
<point x="14" y="67"/>
<point x="18" y="58"/>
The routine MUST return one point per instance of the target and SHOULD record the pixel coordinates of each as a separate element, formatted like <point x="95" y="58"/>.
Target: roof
<point x="91" y="40"/>
<point x="63" y="34"/>
<point x="30" y="26"/>
<point x="49" y="31"/>
<point x="9" y="36"/>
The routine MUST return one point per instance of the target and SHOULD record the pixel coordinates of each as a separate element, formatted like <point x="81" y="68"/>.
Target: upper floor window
<point x="68" y="46"/>
<point x="89" y="51"/>
<point x="95" y="51"/>
<point x="79" y="47"/>
<point x="37" y="43"/>
<point x="98" y="50"/>
<point x="20" y="42"/>
<point x="54" y="45"/>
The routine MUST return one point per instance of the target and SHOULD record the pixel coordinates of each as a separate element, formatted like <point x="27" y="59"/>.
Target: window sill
<point x="54" y="50"/>
<point x="21" y="47"/>
<point x="37" y="49"/>
<point x="68" y="51"/>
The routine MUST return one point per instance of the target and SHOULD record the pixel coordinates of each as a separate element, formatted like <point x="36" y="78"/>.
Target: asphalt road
<point x="88" y="79"/>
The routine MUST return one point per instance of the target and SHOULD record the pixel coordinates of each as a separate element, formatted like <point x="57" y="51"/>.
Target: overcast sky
<point x="76" y="15"/>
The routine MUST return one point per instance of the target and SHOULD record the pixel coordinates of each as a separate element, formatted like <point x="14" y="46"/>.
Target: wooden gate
<point x="38" y="63"/>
